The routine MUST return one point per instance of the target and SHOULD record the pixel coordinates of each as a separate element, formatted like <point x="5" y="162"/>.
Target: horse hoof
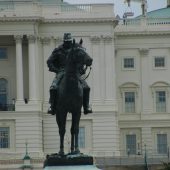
<point x="61" y="153"/>
<point x="77" y="151"/>
<point x="72" y="152"/>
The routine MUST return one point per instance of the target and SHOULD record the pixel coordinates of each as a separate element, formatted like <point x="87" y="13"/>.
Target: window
<point x="4" y="137"/>
<point x="160" y="93"/>
<point x="3" y="93"/>
<point x="162" y="143"/>
<point x="131" y="144"/>
<point x="81" y="137"/>
<point x="128" y="63"/>
<point x="7" y="136"/>
<point x="129" y="93"/>
<point x="159" y="61"/>
<point x="130" y="102"/>
<point x="130" y="141"/>
<point x="3" y="53"/>
<point x="160" y="101"/>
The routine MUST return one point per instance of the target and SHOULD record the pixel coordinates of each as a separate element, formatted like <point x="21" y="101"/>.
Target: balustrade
<point x="38" y="9"/>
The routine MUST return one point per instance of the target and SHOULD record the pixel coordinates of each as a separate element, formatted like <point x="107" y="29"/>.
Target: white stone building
<point x="129" y="82"/>
<point x="142" y="82"/>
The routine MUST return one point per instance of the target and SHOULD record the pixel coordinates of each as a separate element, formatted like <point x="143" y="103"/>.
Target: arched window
<point x="3" y="91"/>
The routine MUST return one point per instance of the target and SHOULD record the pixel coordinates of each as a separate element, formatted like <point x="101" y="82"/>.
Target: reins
<point x="88" y="72"/>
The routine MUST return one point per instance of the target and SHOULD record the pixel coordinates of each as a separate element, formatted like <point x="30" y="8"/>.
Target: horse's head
<point x="80" y="55"/>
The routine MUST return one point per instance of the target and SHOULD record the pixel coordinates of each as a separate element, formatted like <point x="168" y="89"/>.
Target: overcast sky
<point x="121" y="7"/>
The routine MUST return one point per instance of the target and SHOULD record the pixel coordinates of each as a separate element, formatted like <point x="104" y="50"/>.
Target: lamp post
<point x="27" y="160"/>
<point x="146" y="163"/>
<point x="168" y="152"/>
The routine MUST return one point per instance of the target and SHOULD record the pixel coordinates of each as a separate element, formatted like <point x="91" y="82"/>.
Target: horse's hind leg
<point x="72" y="137"/>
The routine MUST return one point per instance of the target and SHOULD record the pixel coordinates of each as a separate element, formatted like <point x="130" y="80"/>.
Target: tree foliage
<point x="166" y="166"/>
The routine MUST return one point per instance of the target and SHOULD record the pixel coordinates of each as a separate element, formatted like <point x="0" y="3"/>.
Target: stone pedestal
<point x="69" y="162"/>
<point x="81" y="167"/>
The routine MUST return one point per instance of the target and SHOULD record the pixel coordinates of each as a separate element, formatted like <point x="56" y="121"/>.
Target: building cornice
<point x="148" y="33"/>
<point x="58" y="20"/>
<point x="79" y="20"/>
<point x="20" y="19"/>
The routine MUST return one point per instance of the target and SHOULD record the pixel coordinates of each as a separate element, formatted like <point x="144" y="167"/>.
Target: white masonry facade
<point x="130" y="82"/>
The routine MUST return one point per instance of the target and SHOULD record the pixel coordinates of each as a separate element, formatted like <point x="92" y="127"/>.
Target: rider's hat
<point x="67" y="37"/>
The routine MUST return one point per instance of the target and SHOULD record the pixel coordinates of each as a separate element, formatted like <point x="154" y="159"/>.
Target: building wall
<point x="31" y="121"/>
<point x="144" y="79"/>
<point x="107" y="128"/>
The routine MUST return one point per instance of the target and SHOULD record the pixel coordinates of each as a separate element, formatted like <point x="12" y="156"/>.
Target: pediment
<point x="160" y="84"/>
<point x="129" y="85"/>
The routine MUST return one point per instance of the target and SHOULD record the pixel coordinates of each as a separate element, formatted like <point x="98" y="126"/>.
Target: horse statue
<point x="70" y="95"/>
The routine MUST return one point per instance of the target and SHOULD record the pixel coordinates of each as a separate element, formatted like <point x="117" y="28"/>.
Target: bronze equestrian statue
<point x="56" y="63"/>
<point x="69" y="92"/>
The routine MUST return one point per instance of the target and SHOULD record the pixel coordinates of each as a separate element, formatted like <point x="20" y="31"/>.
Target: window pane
<point x="128" y="62"/>
<point x="160" y="101"/>
<point x="131" y="144"/>
<point x="162" y="143"/>
<point x="159" y="62"/>
<point x="129" y="102"/>
<point x="3" y="53"/>
<point x="81" y="137"/>
<point x="4" y="137"/>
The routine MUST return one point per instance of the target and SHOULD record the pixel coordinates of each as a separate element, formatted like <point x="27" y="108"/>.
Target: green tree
<point x="166" y="166"/>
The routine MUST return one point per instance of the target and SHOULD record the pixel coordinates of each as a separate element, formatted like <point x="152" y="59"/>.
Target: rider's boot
<point x="51" y="109"/>
<point x="86" y="106"/>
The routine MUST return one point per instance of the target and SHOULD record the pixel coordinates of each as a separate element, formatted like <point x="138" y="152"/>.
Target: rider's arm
<point x="51" y="61"/>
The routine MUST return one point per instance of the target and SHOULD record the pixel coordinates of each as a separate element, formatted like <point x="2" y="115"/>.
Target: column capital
<point x="45" y="40"/>
<point x="95" y="38"/>
<point x="107" y="38"/>
<point x="31" y="38"/>
<point x="58" y="39"/>
<point x="144" y="51"/>
<point x="18" y="38"/>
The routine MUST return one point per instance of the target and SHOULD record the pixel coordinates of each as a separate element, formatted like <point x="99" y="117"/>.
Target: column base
<point x="45" y="106"/>
<point x="32" y="105"/>
<point x="19" y="105"/>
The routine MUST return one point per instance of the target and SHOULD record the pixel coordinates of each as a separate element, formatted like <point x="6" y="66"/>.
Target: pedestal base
<point x="69" y="162"/>
<point x="78" y="167"/>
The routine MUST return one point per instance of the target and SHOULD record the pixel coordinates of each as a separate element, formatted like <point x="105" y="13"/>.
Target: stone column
<point x="19" y="69"/>
<point x="32" y="68"/>
<point x="145" y="77"/>
<point x="46" y="53"/>
<point x="110" y="72"/>
<point x="95" y="45"/>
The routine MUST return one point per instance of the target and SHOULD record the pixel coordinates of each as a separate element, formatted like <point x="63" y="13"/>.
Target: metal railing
<point x="103" y="160"/>
<point x="151" y="157"/>
<point x="7" y="107"/>
<point x="144" y="21"/>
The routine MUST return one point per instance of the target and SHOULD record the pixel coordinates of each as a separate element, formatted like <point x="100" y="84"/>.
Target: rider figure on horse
<point x="56" y="63"/>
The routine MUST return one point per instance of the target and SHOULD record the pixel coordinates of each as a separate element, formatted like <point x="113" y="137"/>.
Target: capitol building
<point x="129" y="80"/>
